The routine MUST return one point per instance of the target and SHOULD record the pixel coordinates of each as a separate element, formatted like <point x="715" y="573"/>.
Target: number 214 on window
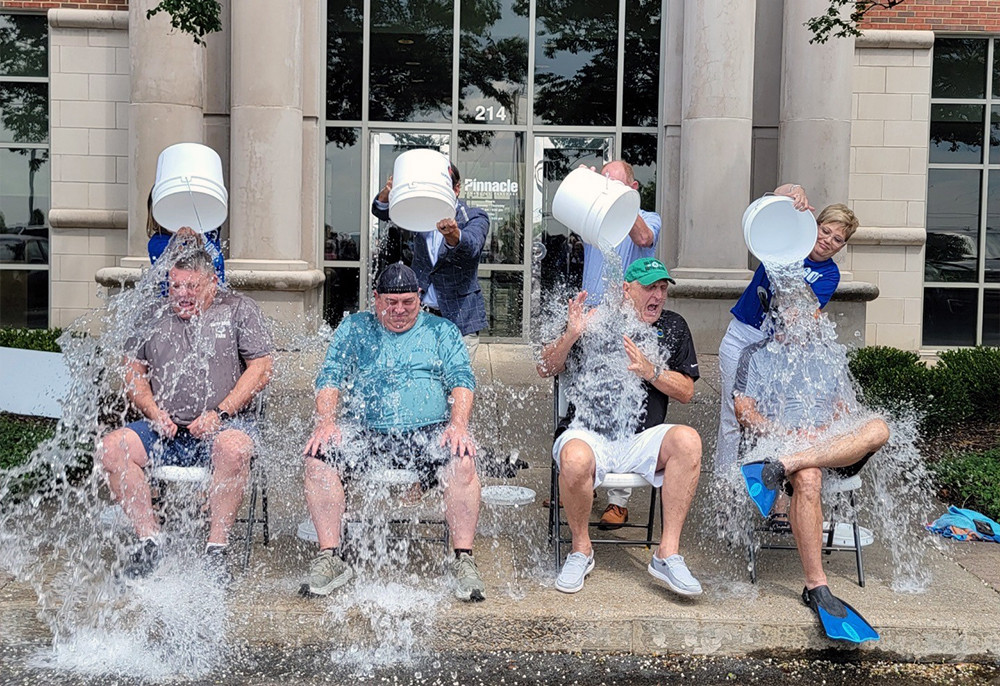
<point x="491" y="113"/>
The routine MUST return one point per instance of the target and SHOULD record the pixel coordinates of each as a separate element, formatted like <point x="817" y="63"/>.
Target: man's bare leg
<point x="123" y="459"/>
<point x="325" y="501"/>
<point x="806" y="517"/>
<point x="840" y="451"/>
<point x="231" y="452"/>
<point x="461" y="501"/>
<point x="576" y="490"/>
<point x="680" y="462"/>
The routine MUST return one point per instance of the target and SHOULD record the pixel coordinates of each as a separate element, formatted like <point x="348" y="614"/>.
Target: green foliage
<point x="19" y="436"/>
<point x="45" y="340"/>
<point x="832" y="21"/>
<point x="897" y="381"/>
<point x="977" y="370"/>
<point x="194" y="17"/>
<point x="971" y="480"/>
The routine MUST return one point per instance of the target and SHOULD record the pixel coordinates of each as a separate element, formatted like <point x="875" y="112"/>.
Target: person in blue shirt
<point x="160" y="237"/>
<point x="835" y="226"/>
<point x="395" y="391"/>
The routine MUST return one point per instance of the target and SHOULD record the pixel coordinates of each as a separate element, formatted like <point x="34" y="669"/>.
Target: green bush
<point x="977" y="370"/>
<point x="895" y="381"/>
<point x="31" y="339"/>
<point x="971" y="480"/>
<point x="19" y="436"/>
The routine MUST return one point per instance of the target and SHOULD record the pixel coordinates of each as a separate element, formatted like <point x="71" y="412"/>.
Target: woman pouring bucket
<point x="188" y="200"/>
<point x="424" y="199"/>
<point x="783" y="233"/>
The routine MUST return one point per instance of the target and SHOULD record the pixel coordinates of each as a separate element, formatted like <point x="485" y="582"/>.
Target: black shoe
<point x="773" y="474"/>
<point x="144" y="560"/>
<point x="217" y="566"/>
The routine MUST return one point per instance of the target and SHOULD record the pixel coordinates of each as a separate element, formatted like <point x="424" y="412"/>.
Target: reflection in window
<point x="24" y="45"/>
<point x="492" y="166"/>
<point x="956" y="133"/>
<point x="411" y="56"/>
<point x="493" y="62"/>
<point x="24" y="298"/>
<point x="952" y="225"/>
<point x="950" y="316"/>
<point x="504" y="296"/>
<point x="24" y="112"/>
<point x="639" y="150"/>
<point x="991" y="317"/>
<point x="959" y="68"/>
<point x="641" y="85"/>
<point x="995" y="135"/>
<point x="340" y="293"/>
<point x="342" y="209"/>
<point x="992" y="253"/>
<point x="344" y="52"/>
<point x="576" y="62"/>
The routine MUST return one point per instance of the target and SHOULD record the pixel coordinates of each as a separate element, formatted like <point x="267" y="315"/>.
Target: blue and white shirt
<point x="823" y="277"/>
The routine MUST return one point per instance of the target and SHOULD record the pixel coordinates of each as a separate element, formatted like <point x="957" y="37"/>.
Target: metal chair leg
<point x="652" y="517"/>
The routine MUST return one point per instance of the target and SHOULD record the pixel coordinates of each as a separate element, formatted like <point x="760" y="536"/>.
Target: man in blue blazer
<point x="446" y="262"/>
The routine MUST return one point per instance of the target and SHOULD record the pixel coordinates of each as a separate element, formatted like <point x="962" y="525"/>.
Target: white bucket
<point x="422" y="190"/>
<point x="189" y="189"/>
<point x="600" y="210"/>
<point x="778" y="233"/>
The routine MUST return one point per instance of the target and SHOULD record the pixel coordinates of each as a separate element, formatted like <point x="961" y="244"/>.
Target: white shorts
<point x="636" y="454"/>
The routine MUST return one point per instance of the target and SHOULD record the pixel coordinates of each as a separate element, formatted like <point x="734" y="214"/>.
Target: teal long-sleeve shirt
<point x="396" y="381"/>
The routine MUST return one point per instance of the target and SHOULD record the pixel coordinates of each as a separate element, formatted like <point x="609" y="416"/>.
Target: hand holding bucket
<point x="189" y="189"/>
<point x="600" y="210"/>
<point x="777" y="233"/>
<point x="421" y="192"/>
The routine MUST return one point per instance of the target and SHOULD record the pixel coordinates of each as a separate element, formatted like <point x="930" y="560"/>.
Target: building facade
<point x="309" y="102"/>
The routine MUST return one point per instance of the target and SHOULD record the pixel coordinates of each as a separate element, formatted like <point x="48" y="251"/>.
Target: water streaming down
<point x="809" y="390"/>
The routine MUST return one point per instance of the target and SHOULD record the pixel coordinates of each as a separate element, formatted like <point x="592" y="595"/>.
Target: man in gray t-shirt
<point x="191" y="372"/>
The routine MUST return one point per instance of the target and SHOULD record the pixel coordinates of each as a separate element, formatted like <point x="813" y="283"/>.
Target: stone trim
<point x="904" y="39"/>
<point x="728" y="289"/>
<point x="66" y="18"/>
<point x="88" y="219"/>
<point x="257" y="280"/>
<point x="889" y="235"/>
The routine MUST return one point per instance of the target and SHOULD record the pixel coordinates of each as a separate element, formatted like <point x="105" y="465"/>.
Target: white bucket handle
<point x="194" y="203"/>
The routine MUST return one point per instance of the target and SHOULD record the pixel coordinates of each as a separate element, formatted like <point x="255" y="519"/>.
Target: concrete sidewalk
<point x="621" y="608"/>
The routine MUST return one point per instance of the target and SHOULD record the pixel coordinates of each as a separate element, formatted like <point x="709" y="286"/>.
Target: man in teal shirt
<point x="395" y="390"/>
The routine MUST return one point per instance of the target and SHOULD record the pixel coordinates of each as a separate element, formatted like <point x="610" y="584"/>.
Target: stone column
<point x="167" y="70"/>
<point x="716" y="129"/>
<point x="265" y="194"/>
<point x="814" y="135"/>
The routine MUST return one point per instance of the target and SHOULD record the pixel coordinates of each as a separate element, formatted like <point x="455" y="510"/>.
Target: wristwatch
<point x="223" y="415"/>
<point x="657" y="370"/>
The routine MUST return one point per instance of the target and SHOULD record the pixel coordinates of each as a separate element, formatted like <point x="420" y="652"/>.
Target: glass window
<point x="342" y="226"/>
<point x="641" y="87"/>
<point x="24" y="45"/>
<point x="492" y="166"/>
<point x="340" y="293"/>
<point x="639" y="150"/>
<point x="576" y="62"/>
<point x="956" y="134"/>
<point x="995" y="135"/>
<point x="959" y="68"/>
<point x="344" y="53"/>
<point x="493" y="62"/>
<point x="992" y="248"/>
<point x="24" y="297"/>
<point x="952" y="225"/>
<point x="24" y="112"/>
<point x="950" y="316"/>
<point x="504" y="293"/>
<point x="991" y="317"/>
<point x="410" y="53"/>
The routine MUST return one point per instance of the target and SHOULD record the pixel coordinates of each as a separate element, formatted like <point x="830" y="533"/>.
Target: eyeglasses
<point x="828" y="232"/>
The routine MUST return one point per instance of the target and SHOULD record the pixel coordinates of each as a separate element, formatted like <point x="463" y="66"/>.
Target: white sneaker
<point x="675" y="574"/>
<point x="574" y="572"/>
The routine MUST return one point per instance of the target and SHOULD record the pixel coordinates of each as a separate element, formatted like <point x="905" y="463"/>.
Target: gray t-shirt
<point x="193" y="364"/>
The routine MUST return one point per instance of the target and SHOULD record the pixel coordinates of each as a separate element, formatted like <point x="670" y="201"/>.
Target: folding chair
<point x="560" y="406"/>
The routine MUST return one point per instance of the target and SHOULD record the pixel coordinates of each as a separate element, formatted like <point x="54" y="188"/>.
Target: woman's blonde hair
<point x="839" y="214"/>
<point x="152" y="227"/>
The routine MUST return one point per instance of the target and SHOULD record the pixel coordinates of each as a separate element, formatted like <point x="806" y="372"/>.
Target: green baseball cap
<point x="647" y="270"/>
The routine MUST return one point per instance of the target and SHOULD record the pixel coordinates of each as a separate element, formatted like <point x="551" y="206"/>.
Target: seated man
<point x="588" y="447"/>
<point x="194" y="369"/>
<point x="792" y="398"/>
<point x="396" y="383"/>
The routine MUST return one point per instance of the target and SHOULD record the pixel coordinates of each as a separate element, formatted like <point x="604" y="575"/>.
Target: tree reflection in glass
<point x="641" y="87"/>
<point x="956" y="133"/>
<point x="493" y="62"/>
<point x="24" y="45"/>
<point x="952" y="249"/>
<point x="344" y="52"/>
<point x="410" y="56"/>
<point x="576" y="62"/>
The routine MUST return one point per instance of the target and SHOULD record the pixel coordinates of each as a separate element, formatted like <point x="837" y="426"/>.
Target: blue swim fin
<point x="762" y="496"/>
<point x="840" y="621"/>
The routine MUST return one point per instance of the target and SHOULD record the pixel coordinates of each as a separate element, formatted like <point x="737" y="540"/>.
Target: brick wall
<point x="938" y="15"/>
<point x="82" y="4"/>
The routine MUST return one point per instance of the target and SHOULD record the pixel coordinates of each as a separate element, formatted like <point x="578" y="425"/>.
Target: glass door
<point x="557" y="253"/>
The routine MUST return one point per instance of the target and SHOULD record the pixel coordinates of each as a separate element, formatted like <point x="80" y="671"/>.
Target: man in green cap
<point x="652" y="360"/>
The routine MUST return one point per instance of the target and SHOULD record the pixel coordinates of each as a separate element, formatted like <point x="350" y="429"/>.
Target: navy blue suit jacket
<point x="455" y="276"/>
